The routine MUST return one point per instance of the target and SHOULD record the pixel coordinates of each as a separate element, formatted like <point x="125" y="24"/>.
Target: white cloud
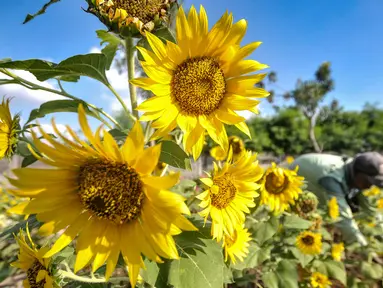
<point x="95" y="50"/>
<point x="25" y="94"/>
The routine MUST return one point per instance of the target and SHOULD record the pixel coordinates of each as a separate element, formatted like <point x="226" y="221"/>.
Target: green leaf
<point x="304" y="259"/>
<point x="28" y="160"/>
<point x="270" y="279"/>
<point x="287" y="274"/>
<point x="172" y="154"/>
<point x="150" y="274"/>
<point x="90" y="65"/>
<point x="295" y="222"/>
<point x="255" y="257"/>
<point x="109" y="50"/>
<point x="118" y="135"/>
<point x="201" y="261"/>
<point x="32" y="223"/>
<point x="56" y="106"/>
<point x="372" y="270"/>
<point x="165" y="34"/>
<point x="144" y="44"/>
<point x="30" y="17"/>
<point x="332" y="269"/>
<point x="184" y="187"/>
<point x="263" y="231"/>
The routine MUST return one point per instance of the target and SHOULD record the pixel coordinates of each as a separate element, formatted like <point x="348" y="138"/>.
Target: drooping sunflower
<point x="131" y="17"/>
<point x="200" y="82"/>
<point x="280" y="188"/>
<point x="9" y="128"/>
<point x="31" y="260"/>
<point x="105" y="195"/>
<point x="337" y="251"/>
<point x="236" y="245"/>
<point x="319" y="280"/>
<point x="230" y="194"/>
<point x="333" y="208"/>
<point x="306" y="204"/>
<point x="237" y="145"/>
<point x="309" y="242"/>
<point x="379" y="203"/>
<point x="218" y="153"/>
<point x="317" y="220"/>
<point x="373" y="191"/>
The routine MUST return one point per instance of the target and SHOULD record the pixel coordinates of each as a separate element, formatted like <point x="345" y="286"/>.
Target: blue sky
<point x="297" y="36"/>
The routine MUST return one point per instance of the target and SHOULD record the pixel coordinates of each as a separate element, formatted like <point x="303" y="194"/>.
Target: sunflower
<point x="280" y="188"/>
<point x="236" y="246"/>
<point x="9" y="128"/>
<point x="201" y="81"/>
<point x="131" y="17"/>
<point x="309" y="242"/>
<point x="289" y="159"/>
<point x="218" y="153"/>
<point x="337" y="251"/>
<point x="373" y="191"/>
<point x="306" y="203"/>
<point x="333" y="208"/>
<point x="105" y="195"/>
<point x="31" y="260"/>
<point x="237" y="145"/>
<point x="380" y="203"/>
<point x="230" y="194"/>
<point x="316" y="219"/>
<point x="319" y="280"/>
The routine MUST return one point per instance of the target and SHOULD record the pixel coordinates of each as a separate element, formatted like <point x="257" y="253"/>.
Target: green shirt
<point x="325" y="175"/>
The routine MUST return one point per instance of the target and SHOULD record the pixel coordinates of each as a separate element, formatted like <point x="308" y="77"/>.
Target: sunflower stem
<point x="129" y="50"/>
<point x="71" y="275"/>
<point x="119" y="98"/>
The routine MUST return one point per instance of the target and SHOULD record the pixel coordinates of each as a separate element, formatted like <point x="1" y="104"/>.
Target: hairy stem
<point x="129" y="50"/>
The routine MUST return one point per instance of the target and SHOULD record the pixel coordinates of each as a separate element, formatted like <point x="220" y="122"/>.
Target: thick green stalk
<point x="129" y="46"/>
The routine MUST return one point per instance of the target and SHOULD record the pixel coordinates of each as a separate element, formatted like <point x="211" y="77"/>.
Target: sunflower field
<point x="112" y="208"/>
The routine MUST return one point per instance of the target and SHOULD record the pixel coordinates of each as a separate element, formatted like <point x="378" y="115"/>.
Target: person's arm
<point x="347" y="225"/>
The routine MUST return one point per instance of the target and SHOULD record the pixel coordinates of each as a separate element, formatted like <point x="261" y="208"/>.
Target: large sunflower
<point x="280" y="188"/>
<point x="106" y="196"/>
<point x="8" y="130"/>
<point x="236" y="245"/>
<point x="309" y="242"/>
<point x="230" y="194"/>
<point x="319" y="280"/>
<point x="333" y="208"/>
<point x="31" y="260"/>
<point x="201" y="81"/>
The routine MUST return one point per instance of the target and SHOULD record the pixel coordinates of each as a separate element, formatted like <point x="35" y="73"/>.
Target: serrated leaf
<point x="56" y="106"/>
<point x="295" y="222"/>
<point x="30" y="17"/>
<point x="165" y="34"/>
<point x="332" y="269"/>
<point x="90" y="65"/>
<point x="150" y="274"/>
<point x="111" y="48"/>
<point x="263" y="231"/>
<point x="172" y="154"/>
<point x="287" y="274"/>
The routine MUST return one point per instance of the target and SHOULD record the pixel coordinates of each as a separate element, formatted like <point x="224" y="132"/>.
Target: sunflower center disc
<point x="144" y="10"/>
<point x="276" y="184"/>
<point x="308" y="240"/>
<point x="236" y="145"/>
<point x="32" y="274"/>
<point x="198" y="86"/>
<point x="226" y="193"/>
<point x="111" y="191"/>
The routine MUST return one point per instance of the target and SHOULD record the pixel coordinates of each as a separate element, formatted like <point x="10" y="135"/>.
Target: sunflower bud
<point x="131" y="18"/>
<point x="9" y="129"/>
<point x="307" y="203"/>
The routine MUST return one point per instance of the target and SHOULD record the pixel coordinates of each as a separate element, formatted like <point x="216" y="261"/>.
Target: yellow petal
<point x="148" y="160"/>
<point x="162" y="183"/>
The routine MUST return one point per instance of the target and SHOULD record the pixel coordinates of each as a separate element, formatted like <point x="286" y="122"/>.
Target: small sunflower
<point x="236" y="246"/>
<point x="9" y="128"/>
<point x="280" y="188"/>
<point x="379" y="203"/>
<point x="230" y="194"/>
<point x="289" y="159"/>
<point x="319" y="280"/>
<point x="218" y="153"/>
<point x="333" y="208"/>
<point x="131" y="17"/>
<point x="237" y="145"/>
<point x="31" y="260"/>
<point x="373" y="191"/>
<point x="337" y="251"/>
<point x="105" y="195"/>
<point x="309" y="242"/>
<point x="201" y="81"/>
<point x="306" y="203"/>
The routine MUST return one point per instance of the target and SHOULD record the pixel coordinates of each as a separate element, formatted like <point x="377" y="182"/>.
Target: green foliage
<point x="30" y="17"/>
<point x="173" y="155"/>
<point x="110" y="50"/>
